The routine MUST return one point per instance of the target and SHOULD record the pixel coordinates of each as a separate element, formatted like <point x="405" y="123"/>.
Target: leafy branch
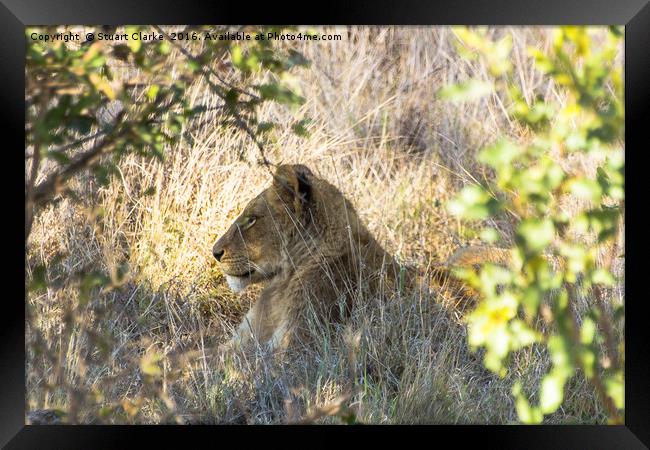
<point x="531" y="302"/>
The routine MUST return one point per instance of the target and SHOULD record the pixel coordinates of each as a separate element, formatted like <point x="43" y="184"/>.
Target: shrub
<point x="559" y="261"/>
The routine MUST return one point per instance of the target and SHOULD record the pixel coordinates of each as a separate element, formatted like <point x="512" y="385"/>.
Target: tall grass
<point x="379" y="133"/>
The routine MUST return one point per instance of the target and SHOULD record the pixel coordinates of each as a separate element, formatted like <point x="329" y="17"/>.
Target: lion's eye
<point x="248" y="222"/>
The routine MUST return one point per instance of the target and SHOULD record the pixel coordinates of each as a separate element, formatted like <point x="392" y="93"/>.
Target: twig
<point x="189" y="55"/>
<point x="36" y="162"/>
<point x="207" y="71"/>
<point x="80" y="141"/>
<point x="55" y="182"/>
<point x="595" y="379"/>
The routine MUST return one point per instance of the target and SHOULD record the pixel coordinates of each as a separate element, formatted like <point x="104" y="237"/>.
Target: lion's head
<point x="253" y="249"/>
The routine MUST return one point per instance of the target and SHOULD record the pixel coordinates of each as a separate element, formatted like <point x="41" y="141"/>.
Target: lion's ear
<point x="293" y="185"/>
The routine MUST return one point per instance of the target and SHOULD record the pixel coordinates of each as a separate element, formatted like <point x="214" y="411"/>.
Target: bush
<point x="559" y="261"/>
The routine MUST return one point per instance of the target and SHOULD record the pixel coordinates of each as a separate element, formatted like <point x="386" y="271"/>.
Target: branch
<point x="207" y="71"/>
<point x="36" y="162"/>
<point x="55" y="182"/>
<point x="30" y="193"/>
<point x="197" y="60"/>
<point x="595" y="380"/>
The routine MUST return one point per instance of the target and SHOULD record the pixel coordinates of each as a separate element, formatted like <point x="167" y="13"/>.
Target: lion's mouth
<point x="238" y="280"/>
<point x="246" y="274"/>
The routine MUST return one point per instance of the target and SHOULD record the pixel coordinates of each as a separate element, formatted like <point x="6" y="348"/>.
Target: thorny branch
<point x="218" y="90"/>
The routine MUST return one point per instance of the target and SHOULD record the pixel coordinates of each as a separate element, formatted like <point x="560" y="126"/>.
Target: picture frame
<point x="634" y="14"/>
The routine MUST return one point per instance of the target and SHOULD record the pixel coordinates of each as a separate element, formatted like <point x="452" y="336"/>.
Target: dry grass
<point x="378" y="133"/>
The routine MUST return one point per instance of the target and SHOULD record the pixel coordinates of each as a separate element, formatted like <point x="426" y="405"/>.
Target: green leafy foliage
<point x="474" y="203"/>
<point x="71" y="93"/>
<point x="554" y="259"/>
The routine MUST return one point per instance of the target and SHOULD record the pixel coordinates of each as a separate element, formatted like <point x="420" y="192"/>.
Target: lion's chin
<point x="238" y="284"/>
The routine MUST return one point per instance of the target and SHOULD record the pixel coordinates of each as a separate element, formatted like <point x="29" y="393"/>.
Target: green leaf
<point x="489" y="235"/>
<point x="237" y="56"/>
<point x="587" y="189"/>
<point x="588" y="357"/>
<point x="38" y="282"/>
<point x="58" y="156"/>
<point x="494" y="362"/>
<point x="587" y="331"/>
<point x="615" y="388"/>
<point x="296" y="59"/>
<point x="551" y="392"/>
<point x="194" y="65"/>
<point x="473" y="203"/>
<point x="536" y="234"/>
<point x="465" y="92"/>
<point x="245" y="62"/>
<point x="499" y="56"/>
<point x="500" y="154"/>
<point x="532" y="297"/>
<point x="149" y="363"/>
<point x="152" y="92"/>
<point x="164" y="48"/>
<point x="105" y="411"/>
<point x="134" y="44"/>
<point x="300" y="128"/>
<point x="527" y="414"/>
<point x="603" y="276"/>
<point x="90" y="282"/>
<point x="280" y="94"/>
<point x="522" y="335"/>
<point x="560" y="355"/>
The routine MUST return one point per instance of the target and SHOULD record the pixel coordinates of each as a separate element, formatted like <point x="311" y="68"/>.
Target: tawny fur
<point x="304" y="240"/>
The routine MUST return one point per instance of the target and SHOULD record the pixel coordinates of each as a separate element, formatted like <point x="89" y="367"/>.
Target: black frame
<point x="634" y="14"/>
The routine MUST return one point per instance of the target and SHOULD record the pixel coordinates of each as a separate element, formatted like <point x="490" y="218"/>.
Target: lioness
<point x="303" y="238"/>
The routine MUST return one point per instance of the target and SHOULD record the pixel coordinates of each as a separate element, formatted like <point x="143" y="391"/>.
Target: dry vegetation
<point x="379" y="133"/>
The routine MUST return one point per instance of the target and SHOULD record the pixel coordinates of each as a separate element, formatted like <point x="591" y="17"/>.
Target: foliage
<point x="533" y="301"/>
<point x="71" y="91"/>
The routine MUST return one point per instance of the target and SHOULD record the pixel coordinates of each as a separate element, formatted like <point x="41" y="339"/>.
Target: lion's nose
<point x="218" y="253"/>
